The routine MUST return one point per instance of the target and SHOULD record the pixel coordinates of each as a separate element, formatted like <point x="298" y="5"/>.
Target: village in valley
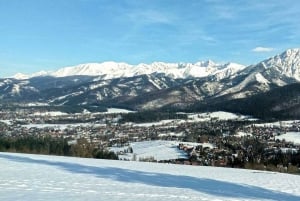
<point x="211" y="139"/>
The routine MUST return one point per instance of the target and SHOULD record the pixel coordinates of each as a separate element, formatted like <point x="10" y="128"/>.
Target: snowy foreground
<point x="38" y="177"/>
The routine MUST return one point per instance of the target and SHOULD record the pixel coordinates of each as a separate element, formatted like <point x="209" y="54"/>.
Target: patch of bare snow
<point x="117" y="111"/>
<point x="52" y="113"/>
<point x="290" y="137"/>
<point x="242" y="134"/>
<point x="218" y="115"/>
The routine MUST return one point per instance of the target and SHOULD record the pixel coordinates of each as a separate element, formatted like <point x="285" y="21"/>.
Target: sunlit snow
<point x="157" y="150"/>
<point x="278" y="124"/>
<point x="117" y="110"/>
<point x="220" y="115"/>
<point x="52" y="113"/>
<point x="290" y="137"/>
<point x="38" y="177"/>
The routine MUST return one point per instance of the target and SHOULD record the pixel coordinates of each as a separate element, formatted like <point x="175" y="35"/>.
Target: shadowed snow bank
<point x="203" y="185"/>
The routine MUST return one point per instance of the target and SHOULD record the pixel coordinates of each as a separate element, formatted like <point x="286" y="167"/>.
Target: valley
<point x="208" y="139"/>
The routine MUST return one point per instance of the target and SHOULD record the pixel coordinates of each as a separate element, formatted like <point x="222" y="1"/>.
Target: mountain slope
<point x="108" y="91"/>
<point x="278" y="103"/>
<point x="279" y="70"/>
<point x="39" y="177"/>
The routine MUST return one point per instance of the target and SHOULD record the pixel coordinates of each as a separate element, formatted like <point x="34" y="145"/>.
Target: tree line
<point x="53" y="146"/>
<point x="151" y="116"/>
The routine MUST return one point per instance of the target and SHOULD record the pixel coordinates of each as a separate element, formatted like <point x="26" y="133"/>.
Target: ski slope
<point x="39" y="177"/>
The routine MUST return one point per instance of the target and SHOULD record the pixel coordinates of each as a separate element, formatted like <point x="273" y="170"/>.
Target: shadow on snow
<point x="208" y="186"/>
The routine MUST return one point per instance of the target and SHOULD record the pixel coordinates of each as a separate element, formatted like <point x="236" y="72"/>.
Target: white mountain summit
<point x="111" y="70"/>
<point x="287" y="63"/>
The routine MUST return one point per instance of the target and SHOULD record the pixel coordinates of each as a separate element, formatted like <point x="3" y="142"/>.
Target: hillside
<point x="278" y="103"/>
<point x="38" y="177"/>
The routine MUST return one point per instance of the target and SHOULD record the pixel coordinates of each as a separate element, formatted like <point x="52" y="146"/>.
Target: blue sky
<point x="49" y="34"/>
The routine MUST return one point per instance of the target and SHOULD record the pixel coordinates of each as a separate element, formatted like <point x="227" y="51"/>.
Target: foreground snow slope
<point x="38" y="177"/>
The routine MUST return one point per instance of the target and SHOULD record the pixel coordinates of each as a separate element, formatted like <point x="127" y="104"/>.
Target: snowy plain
<point x="157" y="149"/>
<point x="39" y="177"/>
<point x="290" y="137"/>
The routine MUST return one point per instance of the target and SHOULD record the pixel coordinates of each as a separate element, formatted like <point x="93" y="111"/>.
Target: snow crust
<point x="39" y="177"/>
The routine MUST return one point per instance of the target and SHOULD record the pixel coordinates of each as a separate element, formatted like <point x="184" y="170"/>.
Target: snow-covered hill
<point x="112" y="70"/>
<point x="38" y="177"/>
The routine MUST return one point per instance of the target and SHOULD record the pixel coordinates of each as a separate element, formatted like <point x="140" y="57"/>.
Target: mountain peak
<point x="291" y="53"/>
<point x="20" y="76"/>
<point x="286" y="58"/>
<point x="286" y="63"/>
<point x="208" y="63"/>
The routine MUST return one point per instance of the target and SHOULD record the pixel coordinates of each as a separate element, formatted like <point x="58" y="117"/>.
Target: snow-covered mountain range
<point x="286" y="64"/>
<point x="153" y="86"/>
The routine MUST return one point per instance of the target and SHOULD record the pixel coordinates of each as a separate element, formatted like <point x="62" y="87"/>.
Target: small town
<point x="207" y="139"/>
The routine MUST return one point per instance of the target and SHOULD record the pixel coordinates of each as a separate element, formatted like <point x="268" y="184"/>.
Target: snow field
<point x="39" y="177"/>
<point x="290" y="137"/>
<point x="158" y="149"/>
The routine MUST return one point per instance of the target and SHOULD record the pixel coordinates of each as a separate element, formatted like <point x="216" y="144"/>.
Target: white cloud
<point x="263" y="49"/>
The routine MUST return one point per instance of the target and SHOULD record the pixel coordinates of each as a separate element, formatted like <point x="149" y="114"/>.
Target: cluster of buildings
<point x="234" y="142"/>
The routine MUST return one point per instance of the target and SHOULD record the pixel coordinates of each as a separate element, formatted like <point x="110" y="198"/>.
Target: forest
<point x="53" y="146"/>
